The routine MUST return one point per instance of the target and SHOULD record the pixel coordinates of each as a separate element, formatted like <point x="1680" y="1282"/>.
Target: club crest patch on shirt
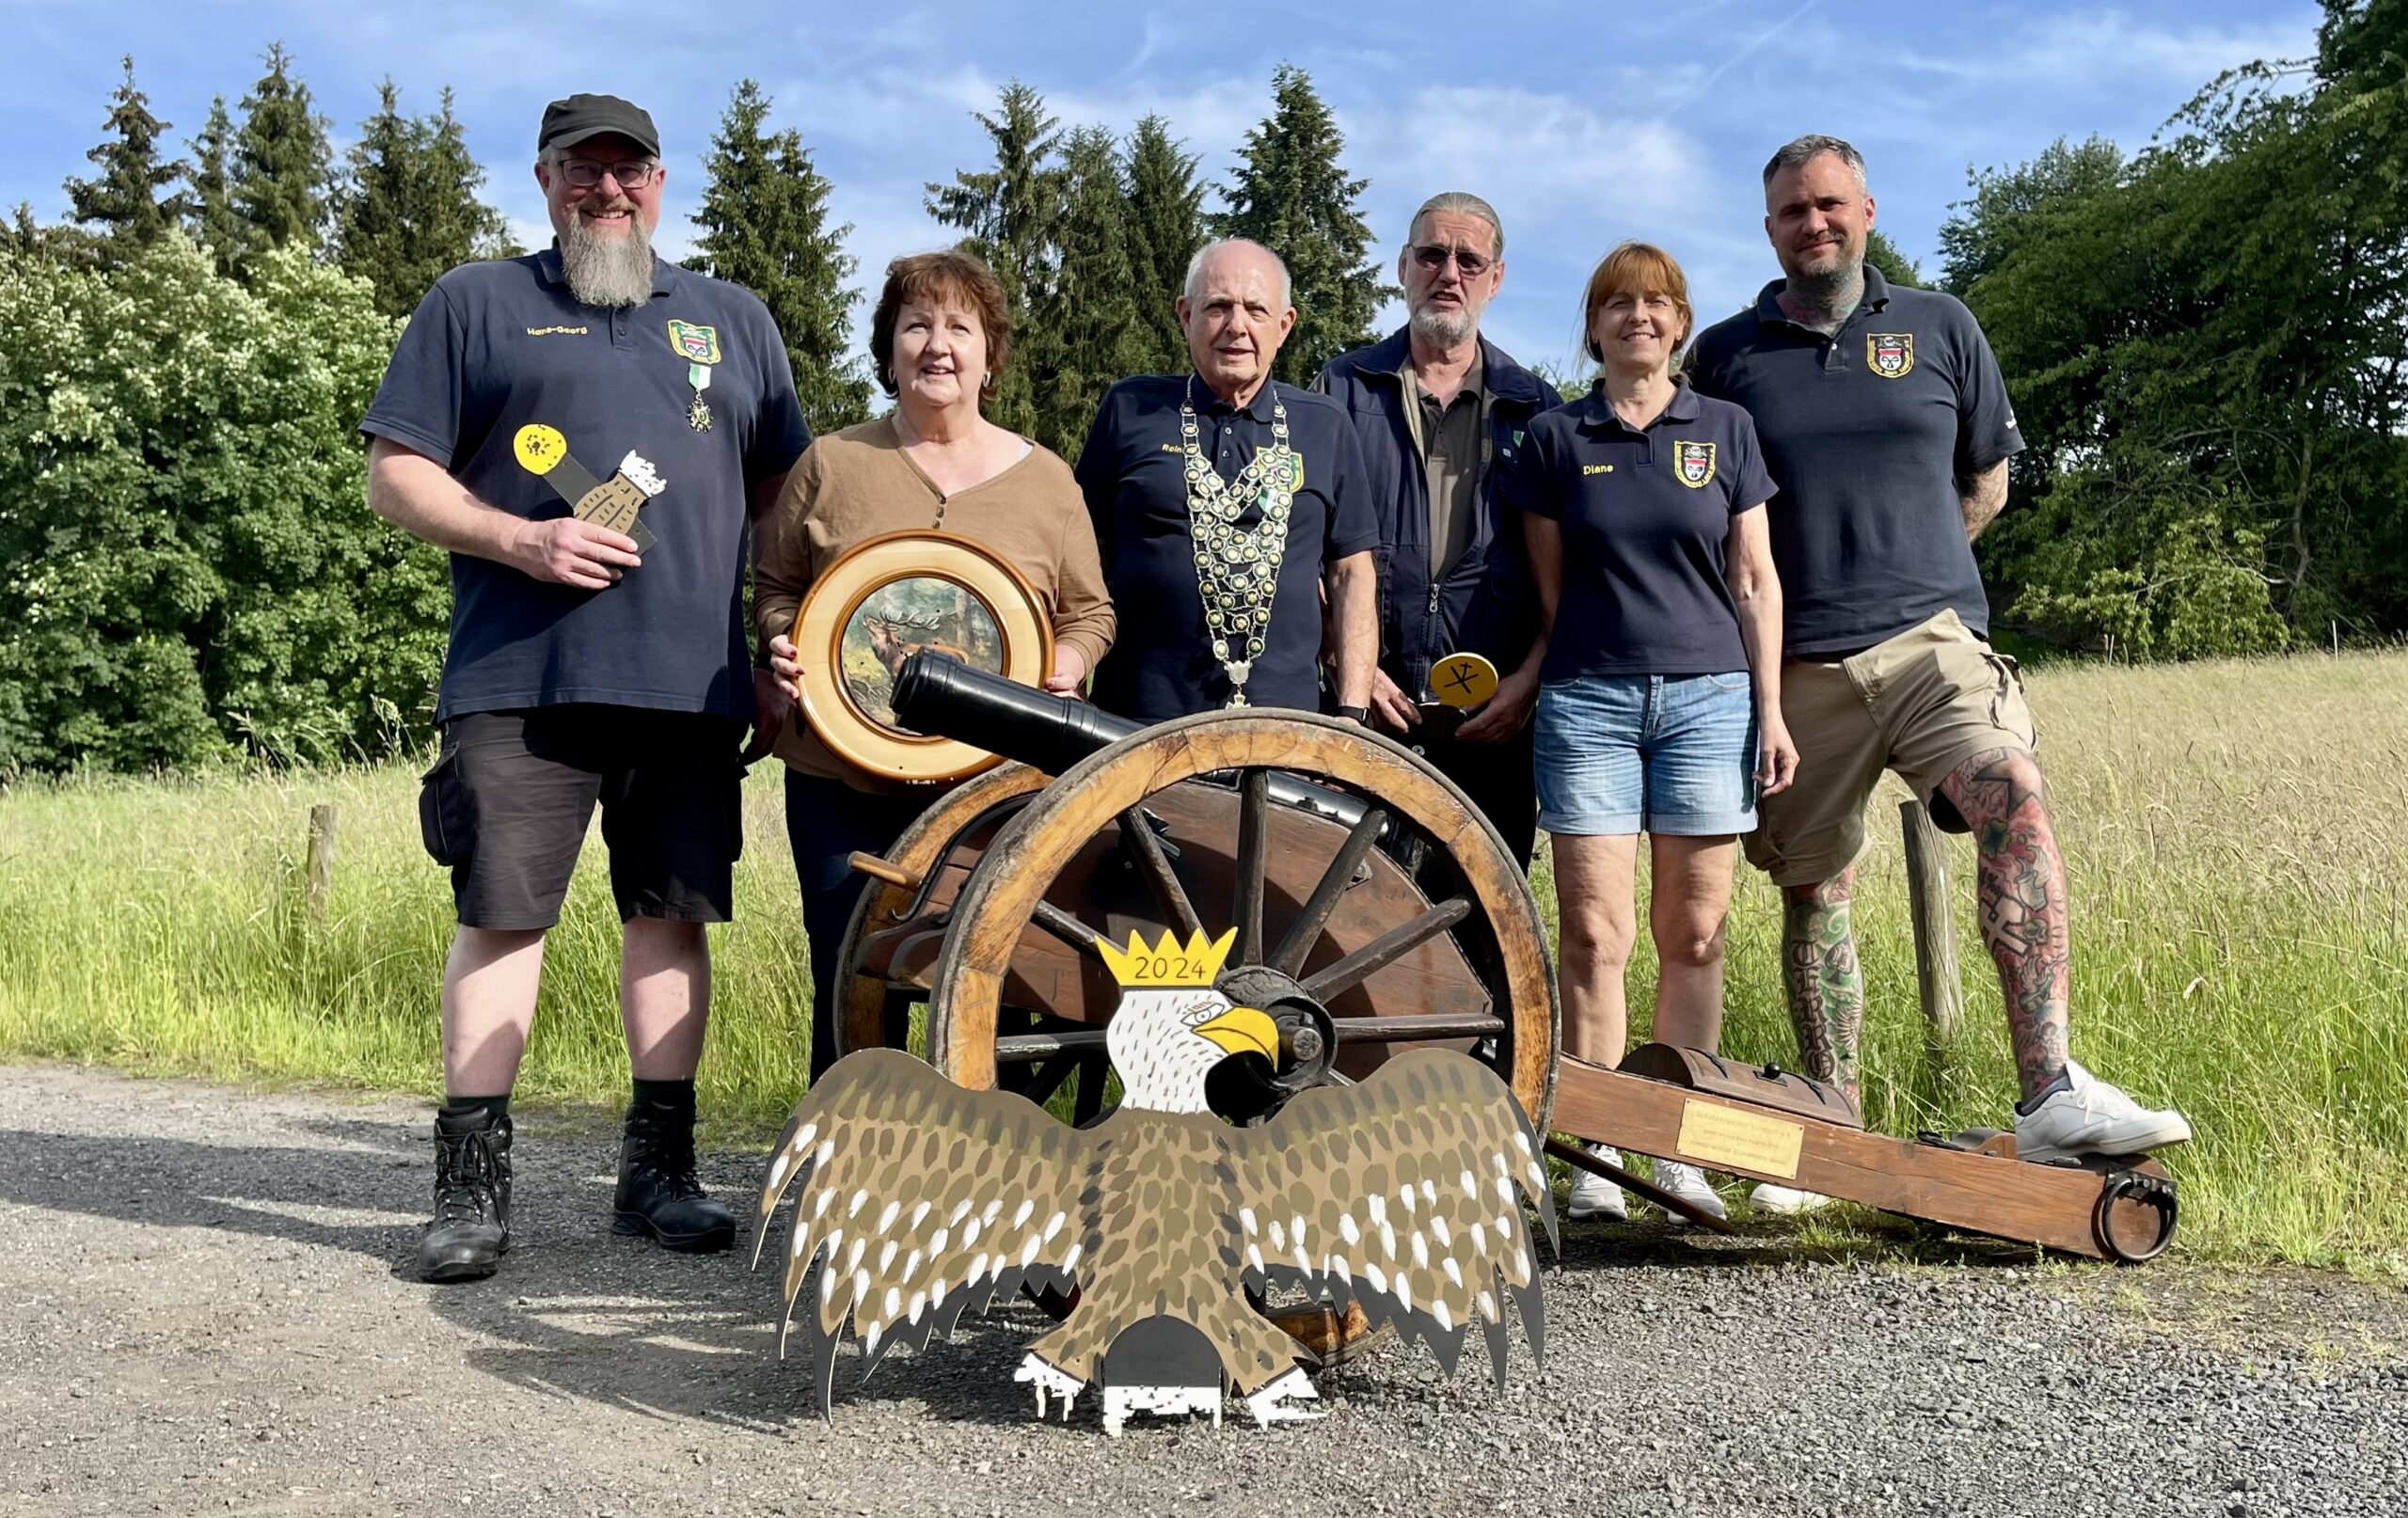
<point x="1694" y="463"/>
<point x="695" y="342"/>
<point x="1889" y="355"/>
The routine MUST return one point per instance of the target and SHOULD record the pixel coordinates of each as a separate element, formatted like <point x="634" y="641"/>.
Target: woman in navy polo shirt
<point x="1644" y="511"/>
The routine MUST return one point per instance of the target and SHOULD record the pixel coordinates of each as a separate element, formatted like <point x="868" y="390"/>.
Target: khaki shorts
<point x="1920" y="704"/>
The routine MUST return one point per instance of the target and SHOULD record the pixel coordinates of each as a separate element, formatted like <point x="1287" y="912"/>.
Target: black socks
<point x="459" y="1113"/>
<point x="664" y="1098"/>
<point x="2032" y="1103"/>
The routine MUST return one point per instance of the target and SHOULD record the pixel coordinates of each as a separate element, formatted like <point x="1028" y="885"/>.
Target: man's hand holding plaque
<point x="602" y="536"/>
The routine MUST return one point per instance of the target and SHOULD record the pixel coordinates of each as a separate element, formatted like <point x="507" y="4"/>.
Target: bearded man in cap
<point x="586" y="429"/>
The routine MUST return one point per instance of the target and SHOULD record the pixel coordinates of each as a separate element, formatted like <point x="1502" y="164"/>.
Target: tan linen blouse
<point x="851" y="486"/>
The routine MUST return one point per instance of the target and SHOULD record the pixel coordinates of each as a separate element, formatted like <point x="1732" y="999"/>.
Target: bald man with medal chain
<point x="1220" y="549"/>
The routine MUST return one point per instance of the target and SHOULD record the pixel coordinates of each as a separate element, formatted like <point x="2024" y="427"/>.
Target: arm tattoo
<point x="2022" y="901"/>
<point x="1982" y="496"/>
<point x="1819" y="972"/>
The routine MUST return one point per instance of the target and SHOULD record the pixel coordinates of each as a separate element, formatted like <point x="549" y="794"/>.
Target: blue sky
<point x="1583" y="123"/>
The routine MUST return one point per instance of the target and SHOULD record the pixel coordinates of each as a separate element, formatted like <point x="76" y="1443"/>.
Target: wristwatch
<point x="1359" y="715"/>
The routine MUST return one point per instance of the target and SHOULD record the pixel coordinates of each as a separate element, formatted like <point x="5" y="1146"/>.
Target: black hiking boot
<point x="659" y="1194"/>
<point x="471" y="1226"/>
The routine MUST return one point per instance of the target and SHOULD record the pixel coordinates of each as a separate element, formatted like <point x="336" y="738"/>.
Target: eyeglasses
<point x="632" y="175"/>
<point x="1433" y="256"/>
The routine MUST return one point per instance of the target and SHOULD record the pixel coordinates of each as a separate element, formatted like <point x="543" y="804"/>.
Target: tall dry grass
<point x="2234" y="832"/>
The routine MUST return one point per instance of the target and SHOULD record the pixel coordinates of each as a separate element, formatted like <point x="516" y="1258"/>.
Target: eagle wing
<point x="916" y="1199"/>
<point x="1403" y="1194"/>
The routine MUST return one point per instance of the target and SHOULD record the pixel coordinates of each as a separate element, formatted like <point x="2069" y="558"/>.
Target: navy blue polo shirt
<point x="1645" y="513"/>
<point x="1134" y="475"/>
<point x="1867" y="433"/>
<point x="498" y="345"/>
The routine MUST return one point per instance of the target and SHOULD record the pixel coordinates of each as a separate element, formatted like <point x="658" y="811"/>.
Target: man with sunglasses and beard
<point x="586" y="429"/>
<point x="1440" y="411"/>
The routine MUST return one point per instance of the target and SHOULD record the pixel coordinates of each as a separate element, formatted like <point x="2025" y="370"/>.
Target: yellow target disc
<point x="539" y="448"/>
<point x="1461" y="680"/>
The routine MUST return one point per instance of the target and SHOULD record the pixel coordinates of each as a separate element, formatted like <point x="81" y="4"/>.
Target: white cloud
<point x="1537" y="157"/>
<point x="2082" y="50"/>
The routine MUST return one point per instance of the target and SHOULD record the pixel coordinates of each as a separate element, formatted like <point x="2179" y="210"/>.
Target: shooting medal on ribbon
<point x="541" y="451"/>
<point x="699" y="346"/>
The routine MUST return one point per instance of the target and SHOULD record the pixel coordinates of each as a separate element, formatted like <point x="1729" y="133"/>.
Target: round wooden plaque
<point x="889" y="598"/>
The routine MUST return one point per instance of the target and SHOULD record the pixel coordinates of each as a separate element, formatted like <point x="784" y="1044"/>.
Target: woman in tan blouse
<point x="940" y="336"/>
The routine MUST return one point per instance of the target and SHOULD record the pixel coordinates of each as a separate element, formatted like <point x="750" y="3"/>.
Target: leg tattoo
<point x="2021" y="897"/>
<point x="1820" y="973"/>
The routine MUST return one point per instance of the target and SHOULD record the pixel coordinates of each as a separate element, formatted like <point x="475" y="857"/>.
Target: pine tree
<point x="209" y="195"/>
<point x="25" y="238"/>
<point x="282" y="164"/>
<point x="1011" y="215"/>
<point x="764" y="223"/>
<point x="1166" y="221"/>
<point x="407" y="208"/>
<point x="122" y="203"/>
<point x="1292" y="196"/>
<point x="483" y="229"/>
<point x="1093" y="330"/>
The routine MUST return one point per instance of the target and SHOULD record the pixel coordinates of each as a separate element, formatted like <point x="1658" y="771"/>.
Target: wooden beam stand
<point x="2107" y="1209"/>
<point x="319" y="879"/>
<point x="1935" y="978"/>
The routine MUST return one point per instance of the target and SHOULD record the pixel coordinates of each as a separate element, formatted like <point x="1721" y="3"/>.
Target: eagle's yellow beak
<point x="1242" y="1030"/>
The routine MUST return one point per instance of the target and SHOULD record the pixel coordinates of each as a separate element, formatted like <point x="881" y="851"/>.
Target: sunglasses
<point x="1433" y="256"/>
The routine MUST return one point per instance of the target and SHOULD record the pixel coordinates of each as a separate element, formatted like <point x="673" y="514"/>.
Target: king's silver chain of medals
<point x="1236" y="569"/>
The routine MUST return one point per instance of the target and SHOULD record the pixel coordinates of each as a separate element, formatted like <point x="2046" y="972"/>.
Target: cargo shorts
<point x="507" y="805"/>
<point x="1920" y="703"/>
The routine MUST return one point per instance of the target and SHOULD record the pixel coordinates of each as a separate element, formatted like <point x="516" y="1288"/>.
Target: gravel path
<point x="206" y="1311"/>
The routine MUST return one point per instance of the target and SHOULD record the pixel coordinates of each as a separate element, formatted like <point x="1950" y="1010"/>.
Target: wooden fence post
<point x="321" y="876"/>
<point x="1935" y="979"/>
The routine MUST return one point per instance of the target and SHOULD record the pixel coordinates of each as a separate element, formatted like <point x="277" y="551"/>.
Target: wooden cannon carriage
<point x="1375" y="907"/>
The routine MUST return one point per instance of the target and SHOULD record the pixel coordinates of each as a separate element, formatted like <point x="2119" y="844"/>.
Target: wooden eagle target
<point x="916" y="1199"/>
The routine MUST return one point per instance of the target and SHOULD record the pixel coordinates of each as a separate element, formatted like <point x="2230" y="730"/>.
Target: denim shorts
<point x="1627" y="754"/>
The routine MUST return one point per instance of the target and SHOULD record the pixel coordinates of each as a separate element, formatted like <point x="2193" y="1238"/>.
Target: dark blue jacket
<point x="1485" y="604"/>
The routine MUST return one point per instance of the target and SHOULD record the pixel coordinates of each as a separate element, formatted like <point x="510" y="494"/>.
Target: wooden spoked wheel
<point x="1287" y="954"/>
<point x="1304" y="945"/>
<point x="916" y="855"/>
<point x="1488" y="913"/>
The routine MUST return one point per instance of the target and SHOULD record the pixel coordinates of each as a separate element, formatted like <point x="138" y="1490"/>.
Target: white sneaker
<point x="1688" y="1183"/>
<point x="2090" y="1117"/>
<point x="1594" y="1197"/>
<point x="1786" y="1201"/>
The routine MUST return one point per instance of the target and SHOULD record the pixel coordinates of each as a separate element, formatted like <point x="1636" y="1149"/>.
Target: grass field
<point x="2235" y="835"/>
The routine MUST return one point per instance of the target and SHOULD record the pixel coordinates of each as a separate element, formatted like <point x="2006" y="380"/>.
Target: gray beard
<point x="1445" y="328"/>
<point x="607" y="271"/>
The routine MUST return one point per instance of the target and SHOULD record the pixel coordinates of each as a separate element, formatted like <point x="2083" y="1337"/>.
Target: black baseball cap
<point x="581" y="118"/>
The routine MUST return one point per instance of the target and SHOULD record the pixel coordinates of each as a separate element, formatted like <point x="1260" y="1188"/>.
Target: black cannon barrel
<point x="938" y="693"/>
